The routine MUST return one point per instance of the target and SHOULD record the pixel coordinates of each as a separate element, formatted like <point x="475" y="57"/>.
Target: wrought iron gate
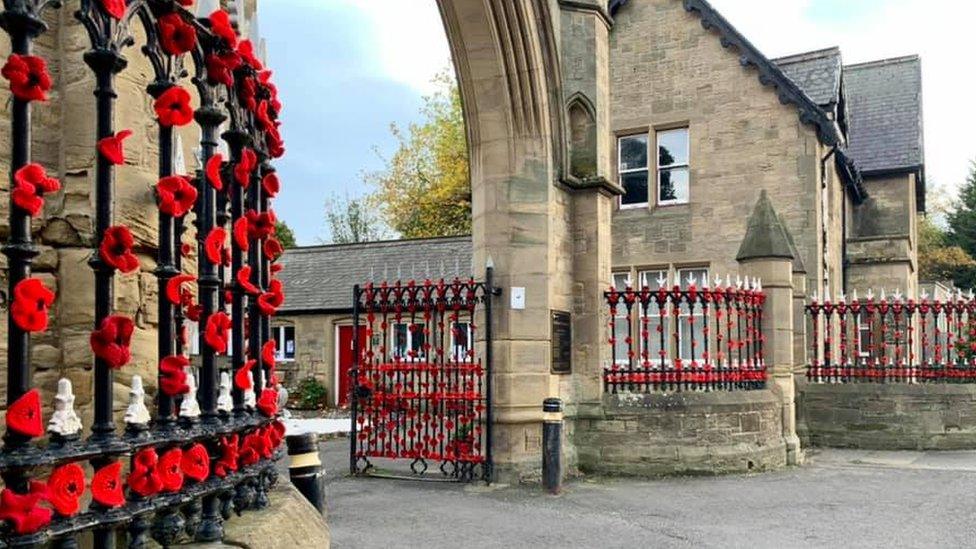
<point x="421" y="388"/>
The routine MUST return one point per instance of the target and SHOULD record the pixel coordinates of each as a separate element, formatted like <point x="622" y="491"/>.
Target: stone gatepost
<point x="767" y="253"/>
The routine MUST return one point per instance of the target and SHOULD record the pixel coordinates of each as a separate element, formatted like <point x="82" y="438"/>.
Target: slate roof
<point x="884" y="102"/>
<point x="817" y="73"/>
<point x="320" y="278"/>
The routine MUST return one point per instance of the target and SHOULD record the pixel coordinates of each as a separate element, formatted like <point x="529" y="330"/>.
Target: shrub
<point x="311" y="394"/>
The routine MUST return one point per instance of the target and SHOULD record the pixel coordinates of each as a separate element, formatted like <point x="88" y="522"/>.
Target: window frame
<point x="405" y="357"/>
<point x="679" y="273"/>
<point x="278" y="334"/>
<point x="659" y="169"/>
<point x="621" y="172"/>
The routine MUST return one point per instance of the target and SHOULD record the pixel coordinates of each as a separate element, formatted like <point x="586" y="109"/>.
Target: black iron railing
<point x="692" y="338"/>
<point x="882" y="339"/>
<point x="210" y="448"/>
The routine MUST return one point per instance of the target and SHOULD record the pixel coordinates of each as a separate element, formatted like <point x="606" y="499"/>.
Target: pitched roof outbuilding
<point x="320" y="278"/>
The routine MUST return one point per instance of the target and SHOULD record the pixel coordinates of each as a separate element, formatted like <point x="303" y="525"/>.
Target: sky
<point x="347" y="69"/>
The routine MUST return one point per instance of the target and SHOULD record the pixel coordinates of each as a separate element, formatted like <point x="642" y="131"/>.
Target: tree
<point x="285" y="235"/>
<point x="424" y="190"/>
<point x="962" y="221"/>
<point x="352" y="220"/>
<point x="937" y="260"/>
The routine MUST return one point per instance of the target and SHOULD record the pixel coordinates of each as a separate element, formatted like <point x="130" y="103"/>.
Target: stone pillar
<point x="767" y="253"/>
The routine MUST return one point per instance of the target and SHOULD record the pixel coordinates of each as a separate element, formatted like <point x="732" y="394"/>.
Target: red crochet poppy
<point x="144" y="478"/>
<point x="116" y="249"/>
<point x="276" y="432"/>
<point x="177" y="195"/>
<point x="244" y="280"/>
<point x="216" y="332"/>
<point x="111" y="341"/>
<point x="23" y="511"/>
<point x="270" y="301"/>
<point x="30" y="305"/>
<point x="173" y="107"/>
<point x="29" y="80"/>
<point x="251" y="449"/>
<point x="115" y="8"/>
<point x="276" y="146"/>
<point x="241" y="232"/>
<point x="24" y="415"/>
<point x="221" y="26"/>
<point x="247" y="93"/>
<point x="262" y="116"/>
<point x="213" y="171"/>
<point x="260" y="225"/>
<point x="175" y="290"/>
<point x="214" y="245"/>
<point x="196" y="463"/>
<point x="176" y="36"/>
<point x="186" y="250"/>
<point x="241" y="379"/>
<point x="271" y="184"/>
<point x="272" y="249"/>
<point x="268" y="352"/>
<point x="268" y="402"/>
<point x="170" y="470"/>
<point x="173" y="375"/>
<point x="245" y="166"/>
<point x="194" y="312"/>
<point x="31" y="182"/>
<point x="246" y="49"/>
<point x="276" y="268"/>
<point x="228" y="456"/>
<point x="111" y="147"/>
<point x="65" y="487"/>
<point x="106" y="485"/>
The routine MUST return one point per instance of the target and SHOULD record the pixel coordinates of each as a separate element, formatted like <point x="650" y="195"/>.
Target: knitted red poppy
<point x="228" y="456"/>
<point x="176" y="36"/>
<point x="106" y="485"/>
<point x="111" y="341"/>
<point x="241" y="234"/>
<point x="29" y="80"/>
<point x="244" y="280"/>
<point x="144" y="478"/>
<point x="246" y="49"/>
<point x="268" y="402"/>
<point x="22" y="510"/>
<point x="65" y="487"/>
<point x="214" y="245"/>
<point x="216" y="332"/>
<point x="196" y="463"/>
<point x="116" y="249"/>
<point x="175" y="292"/>
<point x="213" y="171"/>
<point x="111" y="147"/>
<point x="276" y="146"/>
<point x="241" y="380"/>
<point x="270" y="301"/>
<point x="31" y="182"/>
<point x="115" y="8"/>
<point x="260" y="225"/>
<point x="272" y="249"/>
<point x="268" y="352"/>
<point x="176" y="194"/>
<point x="170" y="470"/>
<point x="24" y="415"/>
<point x="172" y="371"/>
<point x="173" y="107"/>
<point x="271" y="184"/>
<point x="245" y="167"/>
<point x="30" y="305"/>
<point x="221" y="26"/>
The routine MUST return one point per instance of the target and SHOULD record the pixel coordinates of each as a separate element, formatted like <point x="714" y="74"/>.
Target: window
<point x="408" y="341"/>
<point x="620" y="324"/>
<point x="461" y="337"/>
<point x="284" y="337"/>
<point x="672" y="167"/>
<point x="691" y="319"/>
<point x="658" y="331"/>
<point x="633" y="169"/>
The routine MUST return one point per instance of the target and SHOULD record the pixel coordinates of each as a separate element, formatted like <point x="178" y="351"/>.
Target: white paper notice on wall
<point x="518" y="298"/>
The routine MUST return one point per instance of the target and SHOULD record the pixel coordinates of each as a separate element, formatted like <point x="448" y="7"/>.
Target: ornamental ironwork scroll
<point x="421" y="391"/>
<point x="210" y="447"/>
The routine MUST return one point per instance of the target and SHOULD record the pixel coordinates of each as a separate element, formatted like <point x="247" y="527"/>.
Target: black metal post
<point x="552" y="432"/>
<point x="354" y="379"/>
<point x="490" y="293"/>
<point x="305" y="468"/>
<point x="254" y="313"/>
<point x="237" y="140"/>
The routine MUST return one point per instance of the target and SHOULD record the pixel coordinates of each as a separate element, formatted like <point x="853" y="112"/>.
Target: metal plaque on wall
<point x="562" y="342"/>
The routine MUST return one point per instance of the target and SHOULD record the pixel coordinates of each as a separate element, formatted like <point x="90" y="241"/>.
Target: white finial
<point x="854" y="295"/>
<point x="870" y="293"/>
<point x="897" y="295"/>
<point x="705" y="281"/>
<point x="250" y="401"/>
<point x="718" y="282"/>
<point x="815" y="297"/>
<point x="969" y="294"/>
<point x="662" y="280"/>
<point x="842" y="298"/>
<point x="691" y="280"/>
<point x="628" y="282"/>
<point x="137" y="413"/>
<point x="489" y="263"/>
<point x="924" y="295"/>
<point x="883" y="296"/>
<point x="225" y="402"/>
<point x="643" y="280"/>
<point x="728" y="280"/>
<point x="65" y="422"/>
<point x="759" y="284"/>
<point x="190" y="408"/>
<point x="738" y="282"/>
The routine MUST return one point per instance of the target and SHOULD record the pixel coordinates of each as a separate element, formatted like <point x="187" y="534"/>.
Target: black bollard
<point x="552" y="433"/>
<point x="305" y="468"/>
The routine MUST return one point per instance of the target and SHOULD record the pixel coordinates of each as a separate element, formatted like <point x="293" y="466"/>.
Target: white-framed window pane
<point x="672" y="148"/>
<point x="687" y="275"/>
<point x="635" y="187"/>
<point x="401" y="340"/>
<point x="633" y="153"/>
<point x="620" y="327"/>
<point x="691" y="319"/>
<point x="657" y="330"/>
<point x="288" y="334"/>
<point x="460" y="340"/>
<point x="417" y="340"/>
<point x="673" y="186"/>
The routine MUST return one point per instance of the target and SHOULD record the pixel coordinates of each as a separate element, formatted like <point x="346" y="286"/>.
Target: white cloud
<point x="938" y="30"/>
<point x="409" y="39"/>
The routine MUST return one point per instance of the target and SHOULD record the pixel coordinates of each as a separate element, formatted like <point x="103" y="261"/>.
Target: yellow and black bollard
<point x="552" y="433"/>
<point x="305" y="468"/>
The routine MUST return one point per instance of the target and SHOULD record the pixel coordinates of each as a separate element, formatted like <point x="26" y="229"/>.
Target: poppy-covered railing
<point x="420" y="390"/>
<point x="700" y="337"/>
<point x="888" y="339"/>
<point x="210" y="447"/>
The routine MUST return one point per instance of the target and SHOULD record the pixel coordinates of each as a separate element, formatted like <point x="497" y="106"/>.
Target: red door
<point x="345" y="360"/>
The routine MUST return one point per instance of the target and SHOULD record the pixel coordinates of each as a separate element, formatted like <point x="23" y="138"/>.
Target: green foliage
<point x="285" y="235"/>
<point x="311" y="394"/>
<point x="352" y="220"/>
<point x="962" y="221"/>
<point x="424" y="190"/>
<point x="952" y="256"/>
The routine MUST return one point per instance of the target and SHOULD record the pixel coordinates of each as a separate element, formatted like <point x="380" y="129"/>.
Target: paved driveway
<point x="839" y="499"/>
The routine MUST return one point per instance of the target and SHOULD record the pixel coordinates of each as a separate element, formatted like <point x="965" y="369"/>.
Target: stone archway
<point x="544" y="231"/>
